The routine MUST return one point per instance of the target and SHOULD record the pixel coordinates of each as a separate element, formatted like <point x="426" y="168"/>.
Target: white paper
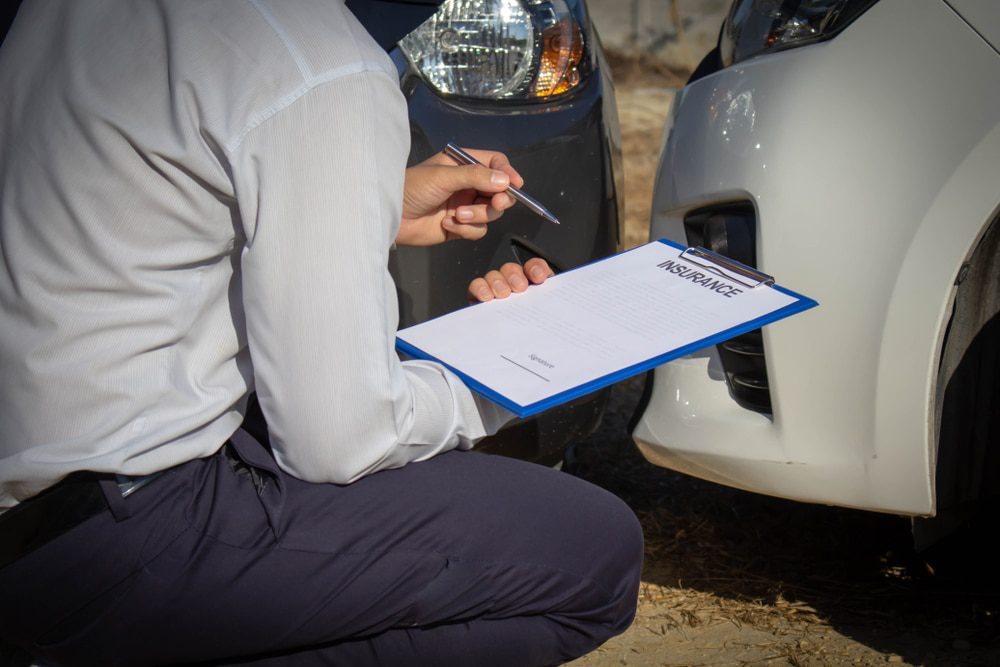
<point x="591" y="322"/>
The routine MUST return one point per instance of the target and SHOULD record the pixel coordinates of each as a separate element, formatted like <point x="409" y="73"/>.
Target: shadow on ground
<point x="760" y="561"/>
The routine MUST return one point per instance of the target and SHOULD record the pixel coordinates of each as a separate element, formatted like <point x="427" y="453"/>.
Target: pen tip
<point x="547" y="214"/>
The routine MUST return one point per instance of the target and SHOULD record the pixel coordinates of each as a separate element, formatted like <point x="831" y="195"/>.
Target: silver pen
<point x="456" y="153"/>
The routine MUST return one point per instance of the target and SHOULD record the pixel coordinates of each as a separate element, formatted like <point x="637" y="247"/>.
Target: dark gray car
<point x="526" y="77"/>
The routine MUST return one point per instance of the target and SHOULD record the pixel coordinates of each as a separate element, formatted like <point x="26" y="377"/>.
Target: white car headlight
<point x="754" y="27"/>
<point x="499" y="49"/>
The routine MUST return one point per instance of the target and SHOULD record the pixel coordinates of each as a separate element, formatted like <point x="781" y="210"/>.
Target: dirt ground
<point x="737" y="579"/>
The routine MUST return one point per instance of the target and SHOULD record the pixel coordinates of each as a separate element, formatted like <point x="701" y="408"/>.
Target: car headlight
<point x="499" y="49"/>
<point x="758" y="26"/>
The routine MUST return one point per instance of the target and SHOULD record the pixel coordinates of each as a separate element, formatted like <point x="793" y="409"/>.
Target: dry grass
<point x="751" y="580"/>
<point x="644" y="89"/>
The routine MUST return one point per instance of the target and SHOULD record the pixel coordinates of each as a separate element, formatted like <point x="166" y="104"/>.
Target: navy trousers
<point x="466" y="559"/>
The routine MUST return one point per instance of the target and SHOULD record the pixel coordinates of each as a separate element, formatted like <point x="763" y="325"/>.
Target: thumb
<point x="476" y="177"/>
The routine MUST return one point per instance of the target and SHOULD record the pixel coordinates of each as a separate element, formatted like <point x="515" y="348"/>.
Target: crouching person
<point x="198" y="203"/>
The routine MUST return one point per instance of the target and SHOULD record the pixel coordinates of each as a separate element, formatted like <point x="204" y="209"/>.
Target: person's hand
<point x="511" y="277"/>
<point x="443" y="200"/>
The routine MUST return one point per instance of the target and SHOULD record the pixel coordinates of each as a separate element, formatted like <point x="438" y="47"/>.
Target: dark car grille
<point x="731" y="230"/>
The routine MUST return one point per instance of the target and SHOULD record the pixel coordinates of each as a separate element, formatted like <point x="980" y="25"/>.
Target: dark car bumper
<point x="570" y="157"/>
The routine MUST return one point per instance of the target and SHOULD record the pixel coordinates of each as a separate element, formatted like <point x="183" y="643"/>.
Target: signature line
<point x="523" y="367"/>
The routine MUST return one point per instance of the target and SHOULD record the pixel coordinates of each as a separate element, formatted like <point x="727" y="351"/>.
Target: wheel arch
<point x="956" y="239"/>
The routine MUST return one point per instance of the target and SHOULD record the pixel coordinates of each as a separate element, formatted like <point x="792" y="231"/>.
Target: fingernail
<point x="518" y="283"/>
<point x="464" y="214"/>
<point x="536" y="273"/>
<point x="500" y="288"/>
<point x="484" y="294"/>
<point x="499" y="178"/>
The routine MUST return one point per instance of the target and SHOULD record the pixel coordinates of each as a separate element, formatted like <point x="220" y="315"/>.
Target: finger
<point x="472" y="177"/>
<point x="538" y="270"/>
<point x="481" y="209"/>
<point x="463" y="230"/>
<point x="513" y="273"/>
<point x="479" y="290"/>
<point x="498" y="284"/>
<point x="501" y="201"/>
<point x="492" y="159"/>
<point x="476" y="214"/>
<point x="497" y="160"/>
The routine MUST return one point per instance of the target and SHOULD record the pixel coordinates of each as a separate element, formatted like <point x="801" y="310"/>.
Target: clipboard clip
<point x="726" y="267"/>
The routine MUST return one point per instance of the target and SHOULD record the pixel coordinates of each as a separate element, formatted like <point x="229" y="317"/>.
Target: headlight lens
<point x="499" y="49"/>
<point x="757" y="26"/>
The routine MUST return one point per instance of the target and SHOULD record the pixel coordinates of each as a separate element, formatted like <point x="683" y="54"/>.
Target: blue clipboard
<point x="706" y="259"/>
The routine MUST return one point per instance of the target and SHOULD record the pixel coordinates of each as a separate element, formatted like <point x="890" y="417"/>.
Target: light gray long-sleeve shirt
<point x="199" y="198"/>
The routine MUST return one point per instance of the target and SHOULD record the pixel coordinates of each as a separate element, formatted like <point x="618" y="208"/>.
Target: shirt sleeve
<point x="319" y="189"/>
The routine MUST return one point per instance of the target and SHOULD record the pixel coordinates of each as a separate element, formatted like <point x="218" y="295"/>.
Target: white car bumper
<point x="873" y="169"/>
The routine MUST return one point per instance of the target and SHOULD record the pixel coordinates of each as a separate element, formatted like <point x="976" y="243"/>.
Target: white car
<point x="851" y="149"/>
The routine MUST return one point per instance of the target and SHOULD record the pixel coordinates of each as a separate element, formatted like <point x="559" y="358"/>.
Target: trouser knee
<point x="617" y="568"/>
<point x="625" y="561"/>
